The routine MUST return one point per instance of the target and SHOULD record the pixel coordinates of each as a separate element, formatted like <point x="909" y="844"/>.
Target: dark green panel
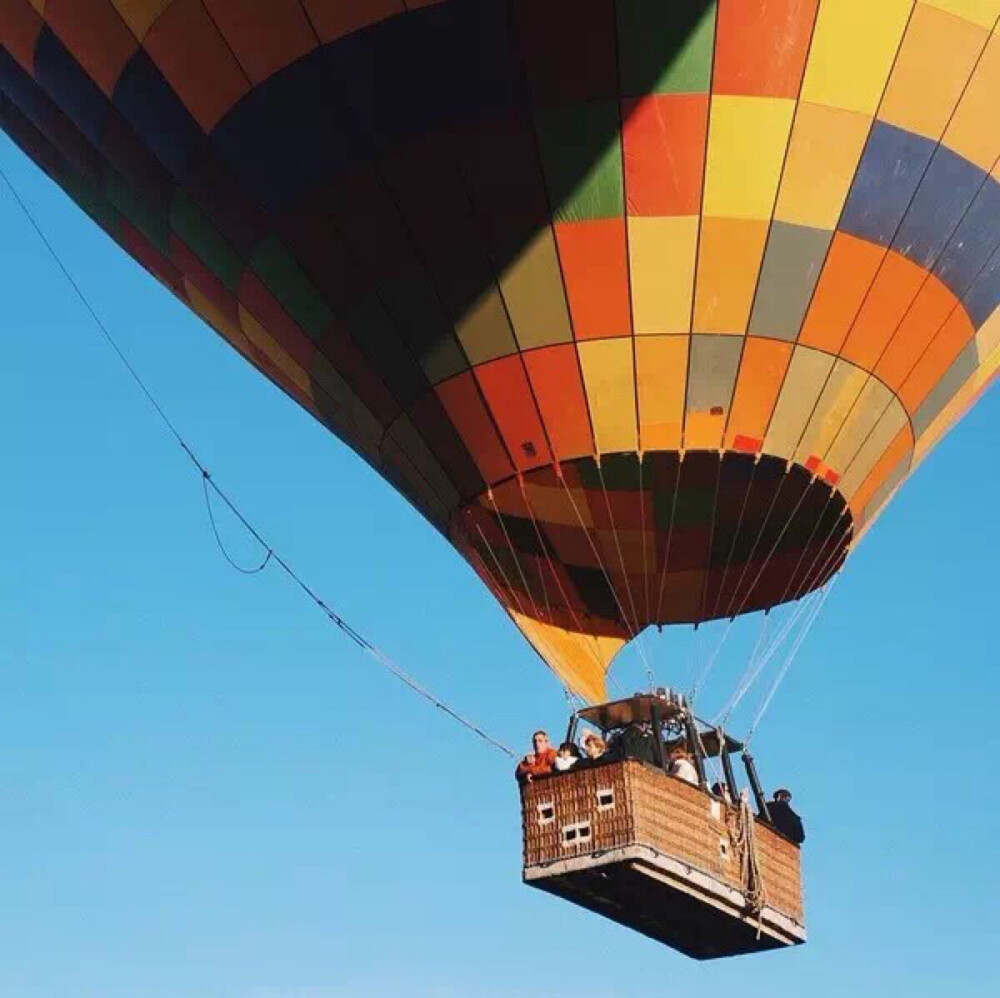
<point x="152" y="225"/>
<point x="666" y="46"/>
<point x="205" y="241"/>
<point x="581" y="157"/>
<point x="286" y="281"/>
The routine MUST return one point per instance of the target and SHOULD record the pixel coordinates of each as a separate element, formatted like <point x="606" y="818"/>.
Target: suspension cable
<point x="209" y="483"/>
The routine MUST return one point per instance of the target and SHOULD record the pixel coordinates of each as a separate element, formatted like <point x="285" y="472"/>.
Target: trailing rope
<point x="743" y="835"/>
<point x="208" y="482"/>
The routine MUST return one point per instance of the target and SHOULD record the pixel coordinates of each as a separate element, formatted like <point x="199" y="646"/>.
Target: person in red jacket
<point x="536" y="763"/>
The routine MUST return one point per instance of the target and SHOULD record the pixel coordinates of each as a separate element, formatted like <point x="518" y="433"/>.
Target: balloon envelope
<point x="648" y="307"/>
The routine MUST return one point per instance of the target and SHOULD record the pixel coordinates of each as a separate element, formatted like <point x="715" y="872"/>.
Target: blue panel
<point x="984" y="295"/>
<point x="27" y="96"/>
<point x="890" y="170"/>
<point x="62" y="78"/>
<point x="975" y="240"/>
<point x="151" y="107"/>
<point x="949" y="187"/>
<point x="349" y="101"/>
<point x="289" y="133"/>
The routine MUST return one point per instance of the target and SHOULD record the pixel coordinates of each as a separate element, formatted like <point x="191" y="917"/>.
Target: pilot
<point x="784" y="818"/>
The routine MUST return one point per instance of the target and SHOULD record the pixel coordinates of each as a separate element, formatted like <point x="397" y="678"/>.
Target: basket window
<point x="576" y="834"/>
<point x="546" y="812"/>
<point x="605" y="799"/>
<point x="715" y="810"/>
<point x="723" y="848"/>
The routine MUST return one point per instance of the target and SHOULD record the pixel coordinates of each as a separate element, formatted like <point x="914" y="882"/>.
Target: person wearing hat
<point x="784" y="818"/>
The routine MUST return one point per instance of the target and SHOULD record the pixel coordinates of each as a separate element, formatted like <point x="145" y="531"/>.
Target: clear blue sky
<point x="207" y="792"/>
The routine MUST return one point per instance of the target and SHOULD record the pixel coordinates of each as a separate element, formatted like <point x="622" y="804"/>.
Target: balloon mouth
<point x="606" y="548"/>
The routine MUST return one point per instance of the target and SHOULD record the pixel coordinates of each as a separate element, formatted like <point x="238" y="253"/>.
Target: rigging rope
<point x="209" y="483"/>
<point x="783" y="672"/>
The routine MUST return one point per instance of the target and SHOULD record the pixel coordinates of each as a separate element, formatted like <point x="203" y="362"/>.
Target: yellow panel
<point x="140" y="15"/>
<point x="220" y="322"/>
<point x="728" y="264"/>
<point x="983" y="12"/>
<point x="267" y="345"/>
<point x="854" y="44"/>
<point x="662" y="363"/>
<point x="807" y="373"/>
<point x="974" y="131"/>
<point x="823" y="154"/>
<point x="579" y="660"/>
<point x="839" y="393"/>
<point x="746" y="147"/>
<point x="935" y="61"/>
<point x="988" y="337"/>
<point x="885" y="431"/>
<point x="609" y="380"/>
<point x="867" y="411"/>
<point x="661" y="261"/>
<point x="532" y="287"/>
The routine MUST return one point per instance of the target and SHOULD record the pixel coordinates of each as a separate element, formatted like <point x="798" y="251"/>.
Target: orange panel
<point x="729" y="256"/>
<point x="595" y="268"/>
<point x="929" y="312"/>
<point x="276" y="34"/>
<point x="508" y="395"/>
<point x="186" y="45"/>
<point x="555" y="376"/>
<point x="21" y="27"/>
<point x="664" y="141"/>
<point x="947" y="345"/>
<point x="96" y="35"/>
<point x="335" y="18"/>
<point x="468" y="414"/>
<point x="895" y="288"/>
<point x="884" y="467"/>
<point x="762" y="372"/>
<point x="848" y="273"/>
<point x="760" y="48"/>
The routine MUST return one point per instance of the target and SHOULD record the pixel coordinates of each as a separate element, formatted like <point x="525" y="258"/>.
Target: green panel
<point x="91" y="201"/>
<point x="581" y="157"/>
<point x="618" y="472"/>
<point x="283" y="278"/>
<point x="665" y="46"/>
<point x="152" y="225"/>
<point x="206" y="242"/>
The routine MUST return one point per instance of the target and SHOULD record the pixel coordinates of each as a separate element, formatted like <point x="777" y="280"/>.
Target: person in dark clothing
<point x="634" y="742"/>
<point x="784" y="818"/>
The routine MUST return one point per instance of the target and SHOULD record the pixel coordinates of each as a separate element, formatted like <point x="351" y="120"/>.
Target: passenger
<point x="635" y="742"/>
<point x="567" y="757"/>
<point x="681" y="765"/>
<point x="721" y="789"/>
<point x="784" y="818"/>
<point x="536" y="763"/>
<point x="595" y="750"/>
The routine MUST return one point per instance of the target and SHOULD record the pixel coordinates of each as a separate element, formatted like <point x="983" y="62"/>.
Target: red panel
<point x="664" y="138"/>
<point x="20" y="27"/>
<point x="203" y="279"/>
<point x="340" y="349"/>
<point x="336" y="18"/>
<point x="272" y="36"/>
<point x="595" y="268"/>
<point x="278" y="323"/>
<point x="194" y="57"/>
<point x="555" y="376"/>
<point x="760" y="48"/>
<point x="138" y="246"/>
<point x="96" y="35"/>
<point x="508" y="395"/>
<point x="464" y="406"/>
<point x="568" y="48"/>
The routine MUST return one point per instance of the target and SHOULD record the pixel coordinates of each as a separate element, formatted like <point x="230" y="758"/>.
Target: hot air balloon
<point x="648" y="307"/>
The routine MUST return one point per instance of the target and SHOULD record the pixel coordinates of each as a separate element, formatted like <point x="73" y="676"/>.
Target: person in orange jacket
<point x="539" y="762"/>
